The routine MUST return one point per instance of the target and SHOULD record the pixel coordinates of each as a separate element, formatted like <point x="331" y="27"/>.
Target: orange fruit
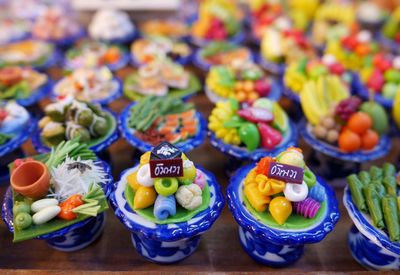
<point x="349" y="141"/>
<point x="369" y="140"/>
<point x="359" y="123"/>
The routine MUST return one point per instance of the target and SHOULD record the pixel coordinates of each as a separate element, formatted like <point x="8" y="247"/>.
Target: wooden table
<point x="219" y="250"/>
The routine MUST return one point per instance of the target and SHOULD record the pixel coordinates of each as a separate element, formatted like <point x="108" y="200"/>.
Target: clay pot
<point x="31" y="179"/>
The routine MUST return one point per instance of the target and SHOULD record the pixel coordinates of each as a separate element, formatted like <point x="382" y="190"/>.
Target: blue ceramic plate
<point x="104" y="101"/>
<point x="18" y="139"/>
<point x="201" y="63"/>
<point x="382" y="149"/>
<point x="271" y="67"/>
<point x="241" y="153"/>
<point x="311" y="234"/>
<point x="102" y="145"/>
<point x="275" y="93"/>
<point x="364" y="224"/>
<point x="8" y="205"/>
<point x="66" y="41"/>
<point x="185" y="146"/>
<point x="37" y="95"/>
<point x="167" y="232"/>
<point x="362" y="91"/>
<point x="51" y="61"/>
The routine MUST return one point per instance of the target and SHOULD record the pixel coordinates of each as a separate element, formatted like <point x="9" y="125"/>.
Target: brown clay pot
<point x="31" y="179"/>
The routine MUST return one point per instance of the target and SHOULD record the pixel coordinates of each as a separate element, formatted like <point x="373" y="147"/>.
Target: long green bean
<point x="391" y="216"/>
<point x="355" y="186"/>
<point x="374" y="205"/>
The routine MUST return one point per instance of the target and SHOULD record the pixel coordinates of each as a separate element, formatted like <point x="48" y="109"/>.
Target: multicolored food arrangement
<point x="298" y="73"/>
<point x="160" y="77"/>
<point x="217" y="20"/>
<point x="68" y="119"/>
<point x="263" y="124"/>
<point x="26" y="53"/>
<point x="225" y="54"/>
<point x="87" y="84"/>
<point x="57" y="190"/>
<point x="279" y="191"/>
<point x="147" y="50"/>
<point x="375" y="194"/>
<point x="246" y="82"/>
<point x="155" y="119"/>
<point x="12" y="29"/>
<point x="20" y="82"/>
<point x="92" y="54"/>
<point x="13" y="120"/>
<point x="391" y="29"/>
<point x="170" y="28"/>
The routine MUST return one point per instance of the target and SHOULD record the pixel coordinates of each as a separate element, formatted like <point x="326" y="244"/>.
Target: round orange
<point x="349" y="141"/>
<point x="359" y="123"/>
<point x="369" y="140"/>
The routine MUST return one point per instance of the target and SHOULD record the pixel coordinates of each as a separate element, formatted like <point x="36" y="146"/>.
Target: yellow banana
<point x="396" y="109"/>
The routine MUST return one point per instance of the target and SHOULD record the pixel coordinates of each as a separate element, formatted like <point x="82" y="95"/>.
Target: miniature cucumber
<point x="42" y="204"/>
<point x="46" y="214"/>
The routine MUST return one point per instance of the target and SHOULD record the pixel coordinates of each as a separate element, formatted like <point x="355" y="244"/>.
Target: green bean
<point x="375" y="173"/>
<point x="374" y="205"/>
<point x="364" y="177"/>
<point x="391" y="216"/>
<point x="388" y="170"/>
<point x="356" y="192"/>
<point x="390" y="184"/>
<point x="380" y="189"/>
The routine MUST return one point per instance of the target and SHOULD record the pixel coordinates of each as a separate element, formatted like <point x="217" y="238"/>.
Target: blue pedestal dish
<point x="277" y="247"/>
<point x="370" y="246"/>
<point x="271" y="67"/>
<point x="166" y="243"/>
<point x="71" y="238"/>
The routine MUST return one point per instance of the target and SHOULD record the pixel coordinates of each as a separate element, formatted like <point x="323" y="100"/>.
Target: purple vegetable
<point x="256" y="114"/>
<point x="307" y="208"/>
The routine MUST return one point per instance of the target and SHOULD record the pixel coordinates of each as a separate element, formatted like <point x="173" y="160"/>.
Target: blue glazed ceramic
<point x="66" y="41"/>
<point x="370" y="246"/>
<point x="363" y="92"/>
<point x="42" y="148"/>
<point x="51" y="61"/>
<point x="185" y="146"/>
<point x="379" y="151"/>
<point x="124" y="40"/>
<point x="166" y="243"/>
<point x="104" y="101"/>
<point x="73" y="237"/>
<point x="273" y="246"/>
<point x="275" y="93"/>
<point x="387" y="43"/>
<point x="241" y="153"/>
<point x="18" y="139"/>
<point x="271" y="67"/>
<point x="37" y="95"/>
<point x="202" y="64"/>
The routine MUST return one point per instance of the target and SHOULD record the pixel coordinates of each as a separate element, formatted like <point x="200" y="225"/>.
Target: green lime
<point x="281" y="120"/>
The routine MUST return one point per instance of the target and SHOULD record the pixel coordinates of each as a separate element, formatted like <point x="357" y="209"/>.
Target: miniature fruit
<point x="270" y="138"/>
<point x="359" y="123"/>
<point x="280" y="209"/>
<point x="189" y="172"/>
<point x="249" y="135"/>
<point x="380" y="120"/>
<point x="349" y="141"/>
<point x="369" y="140"/>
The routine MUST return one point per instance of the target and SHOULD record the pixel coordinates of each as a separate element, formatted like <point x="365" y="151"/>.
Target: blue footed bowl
<point x="379" y="151"/>
<point x="274" y="94"/>
<point x="271" y="67"/>
<point x="42" y="148"/>
<point x="166" y="243"/>
<point x="116" y="93"/>
<point x="18" y="139"/>
<point x="185" y="146"/>
<point x="73" y="237"/>
<point x="123" y="40"/>
<point x="363" y="92"/>
<point x="36" y="95"/>
<point x="274" y="246"/>
<point x="202" y="64"/>
<point x="241" y="153"/>
<point x="370" y="246"/>
<point x="66" y="41"/>
<point x="51" y="61"/>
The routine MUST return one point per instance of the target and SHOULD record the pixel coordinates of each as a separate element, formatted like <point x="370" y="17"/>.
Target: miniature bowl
<point x="271" y="67"/>
<point x="65" y="42"/>
<point x="31" y="179"/>
<point x="70" y="238"/>
<point x="113" y="95"/>
<point x="185" y="60"/>
<point x="275" y="93"/>
<point x="97" y="147"/>
<point x="166" y="243"/>
<point x="274" y="246"/>
<point x="370" y="246"/>
<point x="363" y="92"/>
<point x="185" y="146"/>
<point x="36" y="95"/>
<point x="242" y="154"/>
<point x="127" y="39"/>
<point x="52" y="60"/>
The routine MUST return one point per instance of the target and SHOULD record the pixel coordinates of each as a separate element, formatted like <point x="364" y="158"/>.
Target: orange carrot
<point x="68" y="205"/>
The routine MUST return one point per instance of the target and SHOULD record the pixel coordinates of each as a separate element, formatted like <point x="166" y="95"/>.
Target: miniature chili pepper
<point x="256" y="114"/>
<point x="68" y="205"/>
<point x="263" y="165"/>
<point x="235" y="122"/>
<point x="249" y="135"/>
<point x="270" y="137"/>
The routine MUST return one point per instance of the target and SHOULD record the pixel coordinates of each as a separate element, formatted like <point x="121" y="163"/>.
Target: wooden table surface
<point x="219" y="250"/>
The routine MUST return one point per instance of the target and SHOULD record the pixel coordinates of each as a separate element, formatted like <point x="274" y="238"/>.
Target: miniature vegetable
<point x="46" y="214"/>
<point x="374" y="205"/>
<point x="249" y="135"/>
<point x="21" y="207"/>
<point x="356" y="186"/>
<point x="68" y="205"/>
<point x="391" y="216"/>
<point x="43" y="203"/>
<point x="22" y="220"/>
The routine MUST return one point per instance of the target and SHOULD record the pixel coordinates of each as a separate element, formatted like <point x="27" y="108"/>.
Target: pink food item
<point x="307" y="208"/>
<point x="200" y="179"/>
<point x="256" y="114"/>
<point x="270" y="137"/>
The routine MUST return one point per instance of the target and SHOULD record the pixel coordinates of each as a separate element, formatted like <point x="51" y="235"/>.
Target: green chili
<point x="374" y="205"/>
<point x="356" y="192"/>
<point x="391" y="216"/>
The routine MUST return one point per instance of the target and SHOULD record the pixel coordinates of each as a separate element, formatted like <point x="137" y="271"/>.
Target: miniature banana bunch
<point x="294" y="79"/>
<point x="221" y="113"/>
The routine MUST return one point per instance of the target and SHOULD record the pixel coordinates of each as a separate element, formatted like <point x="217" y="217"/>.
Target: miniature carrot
<point x="68" y="205"/>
